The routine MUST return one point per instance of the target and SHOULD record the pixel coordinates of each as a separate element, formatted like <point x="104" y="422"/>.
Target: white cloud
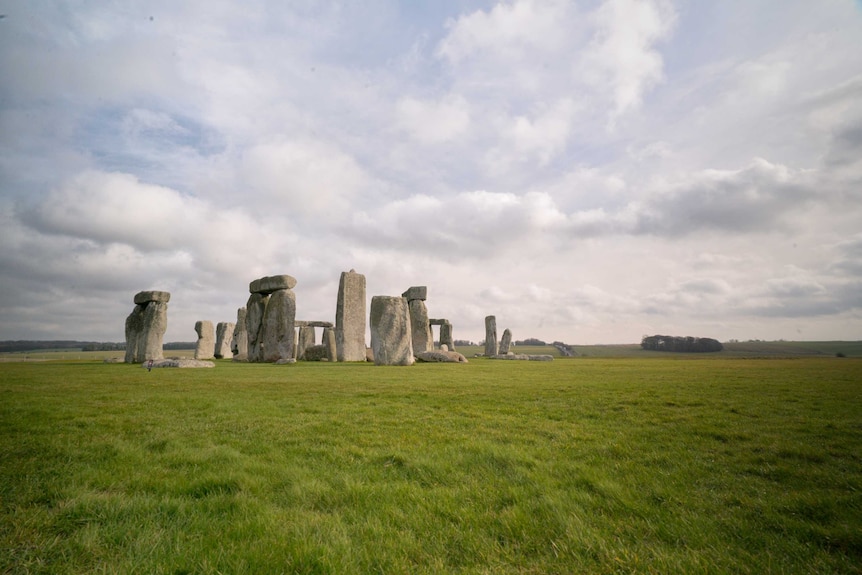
<point x="622" y="53"/>
<point x="434" y="122"/>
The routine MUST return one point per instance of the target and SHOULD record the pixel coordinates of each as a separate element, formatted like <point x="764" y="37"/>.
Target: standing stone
<point x="155" y="324"/>
<point x="224" y="335"/>
<point x="390" y="331"/>
<point x="206" y="340"/>
<point x="278" y="326"/>
<point x="134" y="327"/>
<point x="423" y="339"/>
<point x="505" y="342"/>
<point x="490" y="336"/>
<point x="255" y="308"/>
<point x="446" y="336"/>
<point x="239" y="342"/>
<point x="146" y="326"/>
<point x="305" y="340"/>
<point x="350" y="317"/>
<point x="329" y="343"/>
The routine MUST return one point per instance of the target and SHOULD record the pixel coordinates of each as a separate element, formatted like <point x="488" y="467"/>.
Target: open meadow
<point x="582" y="465"/>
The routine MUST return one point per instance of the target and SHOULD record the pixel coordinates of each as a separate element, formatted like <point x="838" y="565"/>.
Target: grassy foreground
<point x="575" y="466"/>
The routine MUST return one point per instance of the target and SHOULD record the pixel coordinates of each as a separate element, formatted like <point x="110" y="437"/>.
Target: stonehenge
<point x="224" y="338"/>
<point x="206" y="340"/>
<point x="391" y="337"/>
<point x="146" y="326"/>
<point x="421" y="335"/>
<point x="491" y="346"/>
<point x="350" y="317"/>
<point x="266" y="329"/>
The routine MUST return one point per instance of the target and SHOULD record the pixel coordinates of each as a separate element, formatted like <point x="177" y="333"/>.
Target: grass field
<point x="583" y="465"/>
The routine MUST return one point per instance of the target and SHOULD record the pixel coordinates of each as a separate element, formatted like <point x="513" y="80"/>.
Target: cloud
<point x="622" y="53"/>
<point x="434" y="122"/>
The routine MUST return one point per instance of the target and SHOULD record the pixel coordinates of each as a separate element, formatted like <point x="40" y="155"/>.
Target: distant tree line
<point x="530" y="341"/>
<point x="37" y="345"/>
<point x="680" y="344"/>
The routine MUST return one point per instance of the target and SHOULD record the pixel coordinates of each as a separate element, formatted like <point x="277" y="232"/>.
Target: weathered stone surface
<point x="278" y="327"/>
<point x="155" y="324"/>
<point x="206" y="339"/>
<point x="423" y="340"/>
<point x="441" y="356"/>
<point x="315" y="353"/>
<point x="390" y="331"/>
<point x="446" y="336"/>
<point x="255" y="308"/>
<point x="267" y="285"/>
<point x="437" y="321"/>
<point x="305" y="341"/>
<point x="350" y="317"/>
<point x="329" y="343"/>
<point x="239" y="341"/>
<point x="286" y="361"/>
<point x="323" y="324"/>
<point x="224" y="334"/>
<point x="369" y="354"/>
<point x="505" y="342"/>
<point x="134" y="327"/>
<point x="416" y="292"/>
<point x="178" y="363"/>
<point x="491" y="348"/>
<point x="145" y="297"/>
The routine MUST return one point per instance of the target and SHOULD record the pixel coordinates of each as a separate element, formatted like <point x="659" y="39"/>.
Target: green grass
<point x="660" y="465"/>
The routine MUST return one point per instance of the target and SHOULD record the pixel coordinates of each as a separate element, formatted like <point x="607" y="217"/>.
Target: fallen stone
<point x="441" y="356"/>
<point x="177" y="363"/>
<point x="523" y="357"/>
<point x="285" y="361"/>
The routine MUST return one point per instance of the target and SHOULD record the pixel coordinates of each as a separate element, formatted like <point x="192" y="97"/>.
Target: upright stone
<point x="491" y="348"/>
<point x="155" y="324"/>
<point x="146" y="326"/>
<point x="206" y="340"/>
<point x="446" y="336"/>
<point x="390" y="331"/>
<point x="278" y="326"/>
<point x="239" y="342"/>
<point x="306" y="340"/>
<point x="224" y="335"/>
<point x="350" y="317"/>
<point x="134" y="327"/>
<point x="423" y="339"/>
<point x="505" y="342"/>
<point x="329" y="342"/>
<point x="255" y="309"/>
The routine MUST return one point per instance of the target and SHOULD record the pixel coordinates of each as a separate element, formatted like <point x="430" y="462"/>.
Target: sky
<point x="587" y="172"/>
